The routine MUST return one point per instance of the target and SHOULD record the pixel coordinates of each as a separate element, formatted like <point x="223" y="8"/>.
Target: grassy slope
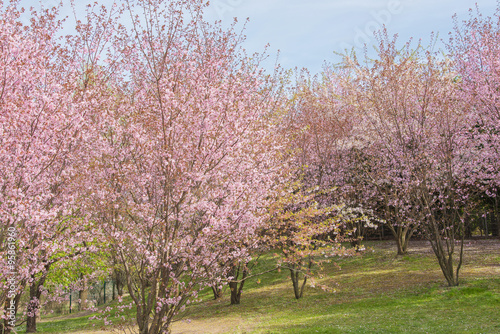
<point x="375" y="293"/>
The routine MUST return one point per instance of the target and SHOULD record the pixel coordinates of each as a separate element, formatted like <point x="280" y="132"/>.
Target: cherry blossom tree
<point x="474" y="51"/>
<point x="38" y="145"/>
<point x="183" y="154"/>
<point x="412" y="121"/>
<point x="325" y="128"/>
<point x="306" y="233"/>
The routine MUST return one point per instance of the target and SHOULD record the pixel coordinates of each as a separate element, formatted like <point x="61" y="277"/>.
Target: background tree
<point x="305" y="232"/>
<point x="411" y="120"/>
<point x="328" y="133"/>
<point x="474" y="51"/>
<point x="38" y="149"/>
<point x="184" y="156"/>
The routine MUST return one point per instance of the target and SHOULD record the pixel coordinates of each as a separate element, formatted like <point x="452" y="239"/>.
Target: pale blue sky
<point x="307" y="32"/>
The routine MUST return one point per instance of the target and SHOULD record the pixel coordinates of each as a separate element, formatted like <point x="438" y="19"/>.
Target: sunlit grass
<point x="376" y="292"/>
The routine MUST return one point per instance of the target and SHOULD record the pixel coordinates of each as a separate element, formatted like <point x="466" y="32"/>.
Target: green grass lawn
<point x="376" y="292"/>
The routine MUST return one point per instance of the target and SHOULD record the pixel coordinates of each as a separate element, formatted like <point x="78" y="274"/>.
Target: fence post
<point x="70" y="302"/>
<point x="104" y="292"/>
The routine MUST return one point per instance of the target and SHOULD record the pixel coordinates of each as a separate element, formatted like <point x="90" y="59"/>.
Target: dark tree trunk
<point x="402" y="235"/>
<point x="294" y="275"/>
<point x="358" y="236"/>
<point x="6" y="327"/>
<point x="34" y="304"/>
<point x="235" y="296"/>
<point x="402" y="244"/>
<point x="356" y="243"/>
<point x="495" y="226"/>
<point x="444" y="249"/>
<point x="217" y="292"/>
<point x="295" y="270"/>
<point x="31" y="325"/>
<point x="233" y="285"/>
<point x="401" y="231"/>
<point x="120" y="281"/>
<point x="468" y="228"/>
<point x="32" y="309"/>
<point x="119" y="288"/>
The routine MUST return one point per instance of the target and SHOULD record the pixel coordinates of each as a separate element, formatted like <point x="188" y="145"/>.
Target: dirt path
<point x="205" y="326"/>
<point x="210" y="326"/>
<point x="202" y="326"/>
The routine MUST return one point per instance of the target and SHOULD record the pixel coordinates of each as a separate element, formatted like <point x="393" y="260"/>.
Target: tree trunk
<point x="119" y="287"/>
<point x="83" y="296"/>
<point x="7" y="325"/>
<point x="34" y="303"/>
<point x="294" y="275"/>
<point x="468" y="229"/>
<point x="402" y="244"/>
<point x="217" y="292"/>
<point x="356" y="243"/>
<point x="402" y="235"/>
<point x="120" y="281"/>
<point x="142" y="320"/>
<point x="444" y="250"/>
<point x="358" y="236"/>
<point x="233" y="285"/>
<point x="235" y="297"/>
<point x="298" y="289"/>
<point x="33" y="306"/>
<point x="31" y="325"/>
<point x="495" y="228"/>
